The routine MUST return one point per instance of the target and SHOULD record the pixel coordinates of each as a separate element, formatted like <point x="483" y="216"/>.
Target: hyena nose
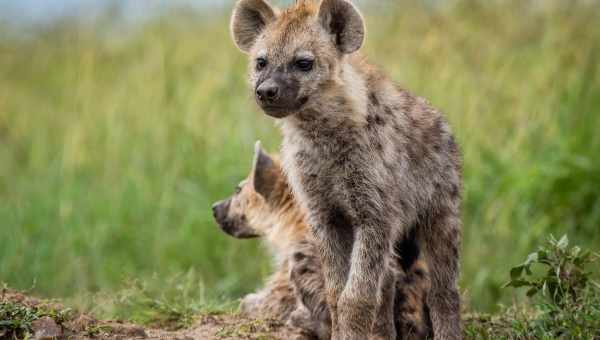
<point x="267" y="92"/>
<point x="215" y="209"/>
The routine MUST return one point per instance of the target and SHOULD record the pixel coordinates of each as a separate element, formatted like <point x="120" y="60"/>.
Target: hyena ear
<point x="264" y="173"/>
<point x="248" y="19"/>
<point x="341" y="19"/>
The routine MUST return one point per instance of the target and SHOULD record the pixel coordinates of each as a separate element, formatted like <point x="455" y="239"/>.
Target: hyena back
<point x="263" y="206"/>
<point x="367" y="160"/>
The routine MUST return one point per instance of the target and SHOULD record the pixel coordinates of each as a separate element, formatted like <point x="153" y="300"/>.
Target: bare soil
<point x="50" y="321"/>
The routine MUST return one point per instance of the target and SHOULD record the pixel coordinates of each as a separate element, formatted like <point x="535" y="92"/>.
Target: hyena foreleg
<point x="369" y="273"/>
<point x="334" y="246"/>
<point x="306" y="277"/>
<point x="334" y="234"/>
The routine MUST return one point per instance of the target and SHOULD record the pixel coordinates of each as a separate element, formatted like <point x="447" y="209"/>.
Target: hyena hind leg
<point x="441" y="240"/>
<point x="276" y="300"/>
<point x="306" y="276"/>
<point x="413" y="321"/>
<point x="312" y="328"/>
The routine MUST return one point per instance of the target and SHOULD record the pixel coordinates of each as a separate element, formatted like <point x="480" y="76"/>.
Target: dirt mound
<point x="23" y="316"/>
<point x="229" y="327"/>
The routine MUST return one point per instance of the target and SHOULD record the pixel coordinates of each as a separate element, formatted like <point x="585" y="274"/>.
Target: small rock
<point x="136" y="331"/>
<point x="81" y="323"/>
<point x="45" y="328"/>
<point x="127" y="330"/>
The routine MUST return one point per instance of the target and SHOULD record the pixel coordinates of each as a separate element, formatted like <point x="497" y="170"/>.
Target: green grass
<point x="114" y="146"/>
<point x="171" y="303"/>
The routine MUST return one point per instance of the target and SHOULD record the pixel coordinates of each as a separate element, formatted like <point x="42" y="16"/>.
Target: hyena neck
<point x="353" y="87"/>
<point x="289" y="227"/>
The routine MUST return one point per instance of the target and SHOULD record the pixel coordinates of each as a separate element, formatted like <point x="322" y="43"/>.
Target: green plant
<point x="569" y="306"/>
<point x="564" y="278"/>
<point x="16" y="318"/>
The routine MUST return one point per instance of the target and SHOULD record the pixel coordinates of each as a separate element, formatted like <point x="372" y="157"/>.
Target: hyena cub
<point x="263" y="206"/>
<point x="367" y="160"/>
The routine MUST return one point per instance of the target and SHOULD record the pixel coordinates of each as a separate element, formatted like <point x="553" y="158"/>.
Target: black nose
<point x="267" y="92"/>
<point x="215" y="209"/>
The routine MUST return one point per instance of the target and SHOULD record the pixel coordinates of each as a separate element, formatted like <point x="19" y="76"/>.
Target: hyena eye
<point x="261" y="63"/>
<point x="238" y="189"/>
<point x="305" y="65"/>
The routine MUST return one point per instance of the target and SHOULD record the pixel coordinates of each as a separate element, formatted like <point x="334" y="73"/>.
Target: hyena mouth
<point x="237" y="229"/>
<point x="277" y="111"/>
<point x="303" y="101"/>
<point x="282" y="111"/>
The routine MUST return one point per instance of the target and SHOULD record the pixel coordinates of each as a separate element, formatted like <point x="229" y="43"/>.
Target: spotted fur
<point x="296" y="292"/>
<point x="367" y="160"/>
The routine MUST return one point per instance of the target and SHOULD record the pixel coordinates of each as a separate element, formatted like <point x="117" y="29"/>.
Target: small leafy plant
<point x="565" y="276"/>
<point x="17" y="318"/>
<point x="566" y="298"/>
<point x="565" y="301"/>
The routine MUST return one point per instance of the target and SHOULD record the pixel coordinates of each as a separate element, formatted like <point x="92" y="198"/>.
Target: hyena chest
<point x="333" y="175"/>
<point x="314" y="173"/>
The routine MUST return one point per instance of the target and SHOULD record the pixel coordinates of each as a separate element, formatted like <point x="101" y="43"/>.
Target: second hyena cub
<point x="263" y="206"/>
<point x="370" y="162"/>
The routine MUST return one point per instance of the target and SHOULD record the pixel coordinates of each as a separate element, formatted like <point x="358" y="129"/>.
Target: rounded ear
<point x="264" y="172"/>
<point x="341" y="19"/>
<point x="248" y="19"/>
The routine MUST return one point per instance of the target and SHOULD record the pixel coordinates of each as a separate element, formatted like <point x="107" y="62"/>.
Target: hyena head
<point x="296" y="55"/>
<point x="259" y="203"/>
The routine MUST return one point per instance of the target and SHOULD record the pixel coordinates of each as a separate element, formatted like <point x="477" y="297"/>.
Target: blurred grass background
<point x="114" y="140"/>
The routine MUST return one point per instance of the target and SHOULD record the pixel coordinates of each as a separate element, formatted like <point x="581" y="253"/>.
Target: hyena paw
<point x="383" y="331"/>
<point x="382" y="337"/>
<point x="250" y="304"/>
<point x="300" y="318"/>
<point x="355" y="318"/>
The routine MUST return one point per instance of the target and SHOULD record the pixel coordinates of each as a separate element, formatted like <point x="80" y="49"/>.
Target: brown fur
<point x="368" y="161"/>
<point x="273" y="217"/>
<point x="296" y="292"/>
